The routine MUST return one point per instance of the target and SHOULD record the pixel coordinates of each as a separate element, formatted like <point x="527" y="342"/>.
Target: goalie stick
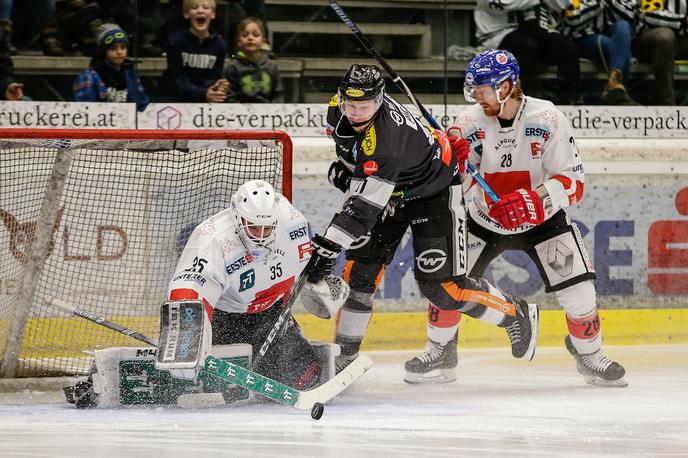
<point x="334" y="4"/>
<point x="281" y="319"/>
<point x="246" y="378"/>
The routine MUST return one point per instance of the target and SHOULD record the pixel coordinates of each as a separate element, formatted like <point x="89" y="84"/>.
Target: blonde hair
<point x="518" y="91"/>
<point x="189" y="4"/>
<point x="250" y="20"/>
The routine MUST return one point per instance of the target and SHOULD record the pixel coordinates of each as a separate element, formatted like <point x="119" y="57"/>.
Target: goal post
<point x="98" y="218"/>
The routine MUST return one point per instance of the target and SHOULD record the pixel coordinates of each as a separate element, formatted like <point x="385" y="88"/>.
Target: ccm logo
<point x="431" y="260"/>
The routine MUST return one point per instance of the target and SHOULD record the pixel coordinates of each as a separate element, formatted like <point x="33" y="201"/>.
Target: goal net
<point x="98" y="219"/>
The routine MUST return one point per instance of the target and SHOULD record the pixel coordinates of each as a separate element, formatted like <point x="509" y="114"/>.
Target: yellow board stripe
<point x="387" y="331"/>
<point x="399" y="331"/>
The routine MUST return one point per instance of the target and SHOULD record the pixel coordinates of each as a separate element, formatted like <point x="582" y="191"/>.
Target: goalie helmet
<point x="490" y="68"/>
<point x="361" y="83"/>
<point x="256" y="206"/>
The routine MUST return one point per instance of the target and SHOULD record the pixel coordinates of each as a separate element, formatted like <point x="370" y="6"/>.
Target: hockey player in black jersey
<point x="385" y="153"/>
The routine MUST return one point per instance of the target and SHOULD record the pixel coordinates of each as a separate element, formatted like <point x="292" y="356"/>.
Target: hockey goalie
<point x="233" y="278"/>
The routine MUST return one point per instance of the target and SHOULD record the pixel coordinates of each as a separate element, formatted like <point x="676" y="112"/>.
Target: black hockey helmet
<point x="361" y="83"/>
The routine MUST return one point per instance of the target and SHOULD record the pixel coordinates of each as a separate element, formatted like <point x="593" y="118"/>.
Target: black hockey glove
<point x="323" y="258"/>
<point x="339" y="176"/>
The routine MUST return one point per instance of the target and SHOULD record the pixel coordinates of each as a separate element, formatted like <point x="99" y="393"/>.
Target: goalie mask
<point x="256" y="205"/>
<point x="361" y="93"/>
<point x="487" y="71"/>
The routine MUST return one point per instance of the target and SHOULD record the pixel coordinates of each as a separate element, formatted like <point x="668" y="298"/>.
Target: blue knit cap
<point x="109" y="34"/>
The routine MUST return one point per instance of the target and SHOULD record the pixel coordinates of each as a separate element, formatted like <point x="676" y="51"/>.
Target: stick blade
<point x="336" y="384"/>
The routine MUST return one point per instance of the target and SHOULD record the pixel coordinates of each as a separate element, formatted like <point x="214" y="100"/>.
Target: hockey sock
<point x="585" y="332"/>
<point x="442" y="324"/>
<point x="352" y="321"/>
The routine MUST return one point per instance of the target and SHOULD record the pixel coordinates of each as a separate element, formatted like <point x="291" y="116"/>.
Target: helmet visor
<point x="482" y="93"/>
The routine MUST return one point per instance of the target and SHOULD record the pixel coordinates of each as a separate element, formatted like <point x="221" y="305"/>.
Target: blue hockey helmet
<point x="490" y="67"/>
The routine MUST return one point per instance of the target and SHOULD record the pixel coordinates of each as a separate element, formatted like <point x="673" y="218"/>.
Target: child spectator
<point x="253" y="77"/>
<point x="111" y="77"/>
<point x="195" y="58"/>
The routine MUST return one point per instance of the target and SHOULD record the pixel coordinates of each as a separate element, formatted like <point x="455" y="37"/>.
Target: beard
<point x="489" y="111"/>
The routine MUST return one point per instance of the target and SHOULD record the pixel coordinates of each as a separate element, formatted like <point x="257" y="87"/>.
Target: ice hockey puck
<point x="317" y="411"/>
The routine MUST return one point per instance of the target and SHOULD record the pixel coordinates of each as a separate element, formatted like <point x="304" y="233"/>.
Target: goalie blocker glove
<point x="322" y="260"/>
<point x="518" y="208"/>
<point x="185" y="338"/>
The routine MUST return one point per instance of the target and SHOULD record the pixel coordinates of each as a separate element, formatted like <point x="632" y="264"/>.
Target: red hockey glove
<point x="460" y="146"/>
<point x="518" y="208"/>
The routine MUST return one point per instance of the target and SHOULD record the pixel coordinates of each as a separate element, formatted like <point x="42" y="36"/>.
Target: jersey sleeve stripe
<point x="566" y="181"/>
<point x="180" y="294"/>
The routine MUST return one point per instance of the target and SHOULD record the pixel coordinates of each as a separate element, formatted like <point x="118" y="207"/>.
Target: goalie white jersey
<point x="537" y="149"/>
<point x="217" y="268"/>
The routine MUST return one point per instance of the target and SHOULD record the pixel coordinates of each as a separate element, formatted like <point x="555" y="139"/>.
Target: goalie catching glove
<point x="518" y="208"/>
<point x="325" y="297"/>
<point x="185" y="338"/>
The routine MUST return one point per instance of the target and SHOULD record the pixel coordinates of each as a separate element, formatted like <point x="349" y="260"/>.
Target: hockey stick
<point x="98" y="320"/>
<point x="281" y="319"/>
<point x="246" y="378"/>
<point x="404" y="89"/>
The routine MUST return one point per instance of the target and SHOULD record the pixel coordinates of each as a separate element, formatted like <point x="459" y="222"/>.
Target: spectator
<point x="111" y="77"/>
<point x="10" y="88"/>
<point x="527" y="29"/>
<point x="45" y="13"/>
<point x="603" y="33"/>
<point x="195" y="58"/>
<point x="661" y="39"/>
<point x="79" y="22"/>
<point x="253" y="77"/>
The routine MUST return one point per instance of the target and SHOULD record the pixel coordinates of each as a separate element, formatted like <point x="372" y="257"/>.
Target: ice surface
<point x="499" y="406"/>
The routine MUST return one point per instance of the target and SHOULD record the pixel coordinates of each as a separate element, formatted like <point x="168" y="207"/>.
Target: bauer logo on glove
<point x="518" y="208"/>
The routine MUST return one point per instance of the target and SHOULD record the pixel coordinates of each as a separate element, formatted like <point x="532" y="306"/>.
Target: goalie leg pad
<point x="185" y="338"/>
<point x="326" y="352"/>
<point x="324" y="298"/>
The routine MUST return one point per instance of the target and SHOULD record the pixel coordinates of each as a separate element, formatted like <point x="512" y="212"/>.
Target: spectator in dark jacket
<point x="111" y="77"/>
<point x="661" y="39"/>
<point x="253" y="77"/>
<point x="10" y="88"/>
<point x="195" y="58"/>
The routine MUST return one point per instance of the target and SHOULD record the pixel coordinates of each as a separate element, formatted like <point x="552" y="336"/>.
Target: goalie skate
<point x="596" y="368"/>
<point x="437" y="364"/>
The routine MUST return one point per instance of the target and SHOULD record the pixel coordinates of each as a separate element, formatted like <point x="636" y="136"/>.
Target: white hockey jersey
<point x="217" y="268"/>
<point x="537" y="149"/>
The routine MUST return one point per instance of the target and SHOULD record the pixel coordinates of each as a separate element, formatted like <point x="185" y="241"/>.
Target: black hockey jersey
<point x="395" y="154"/>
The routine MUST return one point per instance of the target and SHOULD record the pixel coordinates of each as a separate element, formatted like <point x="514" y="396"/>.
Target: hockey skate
<point x="522" y="329"/>
<point x="341" y="361"/>
<point x="81" y="394"/>
<point x="436" y="365"/>
<point x="596" y="368"/>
